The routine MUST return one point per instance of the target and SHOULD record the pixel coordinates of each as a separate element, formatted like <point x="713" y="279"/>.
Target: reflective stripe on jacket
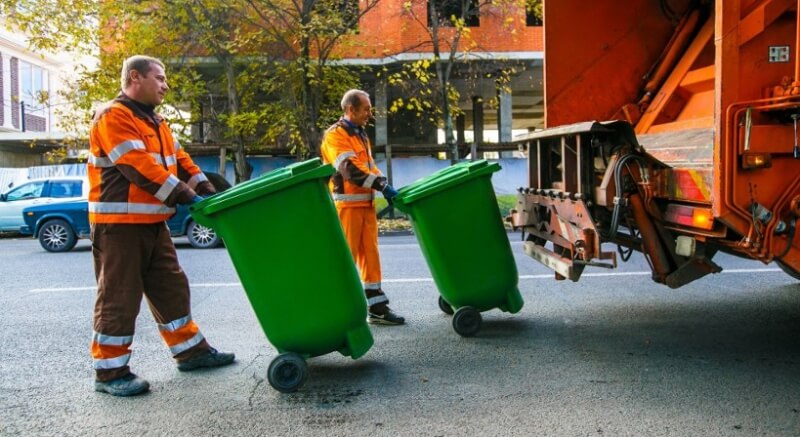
<point x="137" y="171"/>
<point x="350" y="153"/>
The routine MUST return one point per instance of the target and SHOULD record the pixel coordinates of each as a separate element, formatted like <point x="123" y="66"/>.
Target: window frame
<point x="452" y="6"/>
<point x="28" y="91"/>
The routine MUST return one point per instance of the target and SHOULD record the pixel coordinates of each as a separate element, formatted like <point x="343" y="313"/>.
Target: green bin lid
<point x="442" y="180"/>
<point x="267" y="183"/>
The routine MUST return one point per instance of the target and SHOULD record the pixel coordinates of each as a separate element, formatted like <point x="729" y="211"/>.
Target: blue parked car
<point x="59" y="225"/>
<point x="38" y="192"/>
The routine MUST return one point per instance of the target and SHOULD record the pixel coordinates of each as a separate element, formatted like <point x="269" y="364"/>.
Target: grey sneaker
<point x="213" y="358"/>
<point x="387" y="317"/>
<point x="128" y="385"/>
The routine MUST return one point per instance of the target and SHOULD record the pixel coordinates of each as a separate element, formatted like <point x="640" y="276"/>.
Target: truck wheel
<point x="445" y="307"/>
<point x="287" y="372"/>
<point x="788" y="270"/>
<point x="201" y="237"/>
<point x="467" y="321"/>
<point x="57" y="236"/>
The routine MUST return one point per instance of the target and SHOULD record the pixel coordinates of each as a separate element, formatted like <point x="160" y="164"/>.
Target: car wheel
<point x="57" y="236"/>
<point x="201" y="237"/>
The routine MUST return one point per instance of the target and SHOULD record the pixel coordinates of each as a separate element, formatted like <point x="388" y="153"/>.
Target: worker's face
<point x="149" y="88"/>
<point x="361" y="115"/>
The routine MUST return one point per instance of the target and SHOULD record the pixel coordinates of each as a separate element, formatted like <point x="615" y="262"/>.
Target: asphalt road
<point x="614" y="354"/>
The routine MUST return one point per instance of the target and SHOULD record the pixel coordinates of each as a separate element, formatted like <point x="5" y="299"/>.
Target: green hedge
<point x="506" y="202"/>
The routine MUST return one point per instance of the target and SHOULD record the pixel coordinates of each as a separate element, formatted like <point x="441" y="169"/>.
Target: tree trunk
<point x="450" y="139"/>
<point x="311" y="134"/>
<point x="443" y="69"/>
<point x="306" y="120"/>
<point x="307" y="90"/>
<point x="241" y="168"/>
<point x="444" y="84"/>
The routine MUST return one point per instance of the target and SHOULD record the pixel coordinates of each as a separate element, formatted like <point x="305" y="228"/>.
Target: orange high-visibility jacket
<point x="137" y="171"/>
<point x="356" y="174"/>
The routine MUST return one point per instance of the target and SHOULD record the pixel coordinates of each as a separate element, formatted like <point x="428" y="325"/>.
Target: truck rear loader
<point x="672" y="130"/>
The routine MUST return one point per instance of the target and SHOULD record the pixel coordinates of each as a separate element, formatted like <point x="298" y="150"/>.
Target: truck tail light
<point x="692" y="216"/>
<point x="752" y="161"/>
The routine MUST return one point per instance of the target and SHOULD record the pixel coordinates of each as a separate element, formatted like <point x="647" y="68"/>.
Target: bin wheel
<point x="467" y="321"/>
<point x="445" y="307"/>
<point x="287" y="372"/>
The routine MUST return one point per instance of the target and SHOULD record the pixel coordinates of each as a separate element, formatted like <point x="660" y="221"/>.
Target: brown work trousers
<point x="131" y="260"/>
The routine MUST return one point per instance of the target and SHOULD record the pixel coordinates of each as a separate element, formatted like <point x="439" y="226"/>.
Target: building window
<point x="349" y="10"/>
<point x="33" y="89"/>
<point x="533" y="13"/>
<point x="447" y="10"/>
<point x="532" y="20"/>
<point x="2" y="98"/>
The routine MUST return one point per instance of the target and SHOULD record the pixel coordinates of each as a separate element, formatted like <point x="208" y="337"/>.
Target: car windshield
<point x="28" y="191"/>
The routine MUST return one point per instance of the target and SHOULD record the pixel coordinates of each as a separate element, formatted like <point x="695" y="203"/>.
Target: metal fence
<point x="404" y="171"/>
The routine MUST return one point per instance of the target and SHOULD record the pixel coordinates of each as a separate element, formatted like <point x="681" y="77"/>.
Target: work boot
<point x="212" y="358"/>
<point x="385" y="316"/>
<point x="128" y="385"/>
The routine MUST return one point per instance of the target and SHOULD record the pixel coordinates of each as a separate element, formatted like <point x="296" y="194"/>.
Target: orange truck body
<point x="672" y="129"/>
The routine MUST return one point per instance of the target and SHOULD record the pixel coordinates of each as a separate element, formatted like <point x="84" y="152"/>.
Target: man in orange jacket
<point x="347" y="147"/>
<point x="137" y="174"/>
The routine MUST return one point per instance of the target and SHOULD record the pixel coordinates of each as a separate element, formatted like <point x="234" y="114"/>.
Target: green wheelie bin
<point x="460" y="231"/>
<point x="287" y="245"/>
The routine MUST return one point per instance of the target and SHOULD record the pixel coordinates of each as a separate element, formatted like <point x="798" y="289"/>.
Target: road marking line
<point x="411" y="280"/>
<point x="45" y="290"/>
<point x="751" y="270"/>
<point x="217" y="284"/>
<point x="48" y="290"/>
<point x="408" y="245"/>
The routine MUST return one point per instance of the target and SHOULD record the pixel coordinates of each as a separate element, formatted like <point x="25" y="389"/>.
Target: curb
<point x="398" y="233"/>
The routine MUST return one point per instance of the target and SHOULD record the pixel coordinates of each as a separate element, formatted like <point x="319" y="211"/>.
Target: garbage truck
<point x="671" y="129"/>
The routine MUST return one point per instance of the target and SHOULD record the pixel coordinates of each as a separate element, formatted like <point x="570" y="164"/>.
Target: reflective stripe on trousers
<point x="181" y="334"/>
<point x="109" y="351"/>
<point x="374" y="300"/>
<point x="131" y="261"/>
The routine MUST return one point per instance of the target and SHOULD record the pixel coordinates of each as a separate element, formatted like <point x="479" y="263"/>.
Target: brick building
<point x="498" y="38"/>
<point x="391" y="35"/>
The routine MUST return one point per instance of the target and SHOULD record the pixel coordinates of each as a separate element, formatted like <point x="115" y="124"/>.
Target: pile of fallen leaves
<point x="394" y="225"/>
<point x="403" y="224"/>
